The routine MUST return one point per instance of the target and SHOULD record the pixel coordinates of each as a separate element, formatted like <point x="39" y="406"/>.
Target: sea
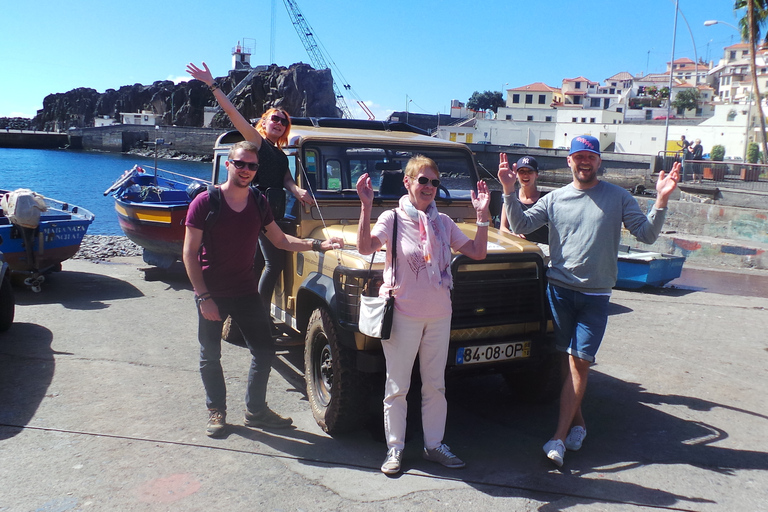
<point x="81" y="177"/>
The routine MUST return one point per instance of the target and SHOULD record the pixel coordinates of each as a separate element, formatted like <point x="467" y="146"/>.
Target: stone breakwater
<point x="103" y="247"/>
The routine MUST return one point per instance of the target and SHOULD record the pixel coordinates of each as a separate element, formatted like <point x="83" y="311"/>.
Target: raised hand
<point x="666" y="184"/>
<point x="365" y="189"/>
<point x="204" y="75"/>
<point x="481" y="201"/>
<point x="507" y="175"/>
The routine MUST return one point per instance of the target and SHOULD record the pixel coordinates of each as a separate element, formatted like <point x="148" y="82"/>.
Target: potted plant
<point x="753" y="155"/>
<point x="717" y="171"/>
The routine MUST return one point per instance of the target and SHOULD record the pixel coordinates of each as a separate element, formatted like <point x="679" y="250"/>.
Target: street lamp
<point x="709" y="23"/>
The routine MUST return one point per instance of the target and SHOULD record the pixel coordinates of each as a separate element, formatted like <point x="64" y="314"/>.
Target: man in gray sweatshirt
<point x="585" y="219"/>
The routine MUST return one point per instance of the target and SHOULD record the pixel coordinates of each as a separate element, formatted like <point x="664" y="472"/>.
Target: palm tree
<point x="755" y="18"/>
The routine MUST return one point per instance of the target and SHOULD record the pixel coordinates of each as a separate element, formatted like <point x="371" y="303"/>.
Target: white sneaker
<point x="555" y="450"/>
<point x="575" y="438"/>
<point x="393" y="462"/>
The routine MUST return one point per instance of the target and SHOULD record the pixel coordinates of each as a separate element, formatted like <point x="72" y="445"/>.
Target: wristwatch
<point x="317" y="245"/>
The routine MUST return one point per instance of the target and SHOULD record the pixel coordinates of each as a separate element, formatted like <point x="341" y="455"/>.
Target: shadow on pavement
<point x="77" y="290"/>
<point x="626" y="432"/>
<point x="26" y="370"/>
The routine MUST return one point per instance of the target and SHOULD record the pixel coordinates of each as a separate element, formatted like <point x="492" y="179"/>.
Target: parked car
<point x="661" y="118"/>
<point x="501" y="320"/>
<point x="519" y="145"/>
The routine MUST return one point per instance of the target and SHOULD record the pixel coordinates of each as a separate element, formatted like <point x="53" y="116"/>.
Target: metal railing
<point x="733" y="174"/>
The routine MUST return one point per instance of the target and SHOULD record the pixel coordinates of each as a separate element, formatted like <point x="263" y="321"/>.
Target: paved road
<point x="101" y="408"/>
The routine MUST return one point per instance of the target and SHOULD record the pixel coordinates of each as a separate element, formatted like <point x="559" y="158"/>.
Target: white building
<point x="145" y="117"/>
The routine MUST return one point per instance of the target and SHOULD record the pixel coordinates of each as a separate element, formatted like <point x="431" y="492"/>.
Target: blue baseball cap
<point x="585" y="143"/>
<point x="528" y="162"/>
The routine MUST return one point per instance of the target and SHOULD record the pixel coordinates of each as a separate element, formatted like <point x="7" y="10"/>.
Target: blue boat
<point x="638" y="268"/>
<point x="32" y="252"/>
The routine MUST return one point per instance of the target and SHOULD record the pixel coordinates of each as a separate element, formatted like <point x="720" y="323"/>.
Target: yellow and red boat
<point x="151" y="209"/>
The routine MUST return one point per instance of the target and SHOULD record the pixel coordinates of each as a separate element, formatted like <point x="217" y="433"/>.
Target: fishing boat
<point x="35" y="249"/>
<point x="638" y="268"/>
<point x="151" y="209"/>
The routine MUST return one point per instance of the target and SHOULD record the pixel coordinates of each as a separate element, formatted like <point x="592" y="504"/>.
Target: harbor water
<point x="81" y="177"/>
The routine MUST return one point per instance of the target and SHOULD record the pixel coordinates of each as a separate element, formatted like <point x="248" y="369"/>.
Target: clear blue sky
<point x="431" y="51"/>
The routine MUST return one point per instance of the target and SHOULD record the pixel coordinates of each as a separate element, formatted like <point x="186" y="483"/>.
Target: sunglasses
<point x="277" y="119"/>
<point x="423" y="180"/>
<point x="241" y="164"/>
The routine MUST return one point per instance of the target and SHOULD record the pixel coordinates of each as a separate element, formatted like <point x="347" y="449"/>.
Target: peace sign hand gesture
<point x="507" y="175"/>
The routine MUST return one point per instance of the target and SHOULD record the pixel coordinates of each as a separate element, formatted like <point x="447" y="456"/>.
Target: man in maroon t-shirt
<point x="220" y="268"/>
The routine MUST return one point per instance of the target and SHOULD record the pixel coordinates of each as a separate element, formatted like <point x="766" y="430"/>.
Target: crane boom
<point x="315" y="55"/>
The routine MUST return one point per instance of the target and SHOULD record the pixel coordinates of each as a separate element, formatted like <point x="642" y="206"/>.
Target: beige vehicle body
<point x="501" y="319"/>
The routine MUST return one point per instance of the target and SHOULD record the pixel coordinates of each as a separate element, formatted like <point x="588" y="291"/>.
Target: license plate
<point x="488" y="353"/>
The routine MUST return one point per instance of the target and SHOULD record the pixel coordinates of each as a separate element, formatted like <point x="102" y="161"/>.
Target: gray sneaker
<point x="217" y="423"/>
<point x="266" y="418"/>
<point x="555" y="450"/>
<point x="393" y="463"/>
<point x="442" y="454"/>
<point x="575" y="438"/>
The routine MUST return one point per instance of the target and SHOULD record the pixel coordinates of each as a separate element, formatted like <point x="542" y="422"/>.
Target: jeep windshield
<point x="337" y="167"/>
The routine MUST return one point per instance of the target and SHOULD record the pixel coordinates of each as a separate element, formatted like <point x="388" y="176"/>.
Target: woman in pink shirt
<point x="422" y="287"/>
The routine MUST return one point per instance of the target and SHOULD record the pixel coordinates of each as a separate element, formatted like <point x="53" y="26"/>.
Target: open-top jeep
<point x="500" y="315"/>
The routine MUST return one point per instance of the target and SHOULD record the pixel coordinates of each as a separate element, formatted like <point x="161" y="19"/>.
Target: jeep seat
<point x="391" y="185"/>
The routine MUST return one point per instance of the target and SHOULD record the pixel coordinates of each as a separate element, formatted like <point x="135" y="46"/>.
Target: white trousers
<point x="427" y="337"/>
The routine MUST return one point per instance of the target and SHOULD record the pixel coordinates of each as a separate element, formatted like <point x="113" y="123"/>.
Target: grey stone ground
<point x="101" y="408"/>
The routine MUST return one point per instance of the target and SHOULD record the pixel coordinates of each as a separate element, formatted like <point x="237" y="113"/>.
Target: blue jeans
<point x="579" y="319"/>
<point x="249" y="314"/>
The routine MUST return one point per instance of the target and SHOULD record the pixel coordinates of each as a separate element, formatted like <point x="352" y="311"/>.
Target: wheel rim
<point x="323" y="370"/>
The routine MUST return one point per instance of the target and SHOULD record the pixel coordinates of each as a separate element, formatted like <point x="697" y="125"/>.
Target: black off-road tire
<point x="7" y="304"/>
<point x="336" y="391"/>
<point x="537" y="386"/>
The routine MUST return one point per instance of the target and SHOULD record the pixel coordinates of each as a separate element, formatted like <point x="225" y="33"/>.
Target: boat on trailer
<point x="151" y="209"/>
<point x="32" y="251"/>
<point x="638" y="268"/>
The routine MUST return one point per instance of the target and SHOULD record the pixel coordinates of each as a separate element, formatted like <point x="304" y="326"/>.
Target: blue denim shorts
<point x="579" y="319"/>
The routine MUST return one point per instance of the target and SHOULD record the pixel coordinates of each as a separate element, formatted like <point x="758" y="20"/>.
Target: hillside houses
<point x="628" y="113"/>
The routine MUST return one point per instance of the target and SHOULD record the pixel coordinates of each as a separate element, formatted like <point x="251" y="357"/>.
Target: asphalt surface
<point x="102" y="408"/>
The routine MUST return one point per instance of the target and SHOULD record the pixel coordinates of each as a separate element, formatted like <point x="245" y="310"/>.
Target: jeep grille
<point x="501" y="289"/>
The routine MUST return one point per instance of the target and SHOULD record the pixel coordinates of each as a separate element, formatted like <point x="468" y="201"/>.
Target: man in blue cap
<point x="585" y="219"/>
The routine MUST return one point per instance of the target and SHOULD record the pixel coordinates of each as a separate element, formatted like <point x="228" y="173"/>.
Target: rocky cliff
<point x="299" y="89"/>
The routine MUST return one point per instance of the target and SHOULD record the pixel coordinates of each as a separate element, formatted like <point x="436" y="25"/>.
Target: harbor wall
<point x="28" y="139"/>
<point x="710" y="234"/>
<point x="123" y="137"/>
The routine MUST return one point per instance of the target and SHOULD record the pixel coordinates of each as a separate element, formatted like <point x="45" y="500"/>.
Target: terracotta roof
<point x="536" y="87"/>
<point x="683" y="60"/>
<point x="737" y="46"/>
<point x="692" y="67"/>
<point x="579" y="79"/>
<point x="621" y="76"/>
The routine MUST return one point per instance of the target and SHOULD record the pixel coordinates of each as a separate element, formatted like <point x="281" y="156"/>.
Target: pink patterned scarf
<point x="434" y="244"/>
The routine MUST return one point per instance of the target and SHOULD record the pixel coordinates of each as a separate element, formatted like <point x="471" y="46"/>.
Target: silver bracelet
<point x="483" y="224"/>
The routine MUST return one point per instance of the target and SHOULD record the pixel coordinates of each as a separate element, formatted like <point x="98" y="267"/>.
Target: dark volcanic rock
<point x="299" y="89"/>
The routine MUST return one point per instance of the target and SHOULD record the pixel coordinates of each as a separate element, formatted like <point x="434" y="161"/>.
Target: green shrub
<point x="717" y="153"/>
<point x="753" y="153"/>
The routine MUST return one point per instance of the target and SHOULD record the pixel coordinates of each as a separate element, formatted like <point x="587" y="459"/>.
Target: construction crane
<point x="315" y="53"/>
